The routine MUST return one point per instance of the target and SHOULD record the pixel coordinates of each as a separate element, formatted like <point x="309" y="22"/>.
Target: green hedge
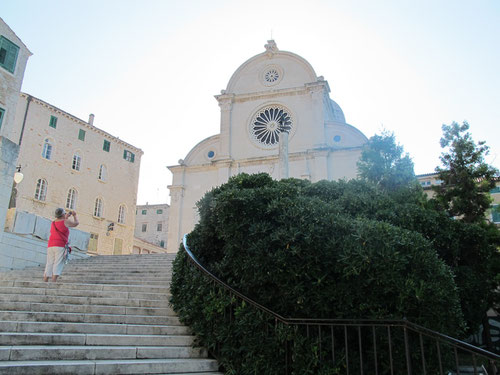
<point x="307" y="251"/>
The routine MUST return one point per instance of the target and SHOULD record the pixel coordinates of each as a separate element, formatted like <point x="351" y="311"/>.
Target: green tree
<point x="466" y="177"/>
<point x="384" y="163"/>
<point x="464" y="194"/>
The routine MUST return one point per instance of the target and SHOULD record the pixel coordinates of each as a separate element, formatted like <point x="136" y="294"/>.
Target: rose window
<point x="272" y="75"/>
<point x="268" y="123"/>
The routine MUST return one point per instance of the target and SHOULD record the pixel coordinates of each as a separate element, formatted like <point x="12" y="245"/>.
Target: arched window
<point x="121" y="214"/>
<point x="98" y="207"/>
<point x="47" y="149"/>
<point x="41" y="189"/>
<point x="103" y="173"/>
<point x="71" y="199"/>
<point x="77" y="161"/>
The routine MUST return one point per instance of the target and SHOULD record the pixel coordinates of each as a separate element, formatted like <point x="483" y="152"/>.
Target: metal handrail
<point x="345" y="322"/>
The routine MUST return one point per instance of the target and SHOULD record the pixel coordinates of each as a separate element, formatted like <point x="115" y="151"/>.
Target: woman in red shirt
<point x="59" y="234"/>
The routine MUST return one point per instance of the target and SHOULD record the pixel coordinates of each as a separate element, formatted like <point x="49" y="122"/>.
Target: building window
<point x="144" y="212"/>
<point x="121" y="214"/>
<point x="128" y="156"/>
<point x="162" y="243"/>
<point x="495" y="190"/>
<point x="41" y="189"/>
<point x="159" y="227"/>
<point x="495" y="214"/>
<point x="8" y="54"/>
<point x="144" y="227"/>
<point x="53" y="122"/>
<point x="77" y="161"/>
<point x="2" y="113"/>
<point x="71" y="199"/>
<point x="159" y="211"/>
<point x="81" y="135"/>
<point x="47" y="149"/>
<point x="103" y="173"/>
<point x="106" y="146"/>
<point x="98" y="207"/>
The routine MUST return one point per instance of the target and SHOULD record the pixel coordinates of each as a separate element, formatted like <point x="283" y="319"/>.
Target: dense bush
<point x="323" y="250"/>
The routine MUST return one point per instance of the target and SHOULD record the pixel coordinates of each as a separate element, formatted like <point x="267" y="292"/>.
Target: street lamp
<point x="18" y="176"/>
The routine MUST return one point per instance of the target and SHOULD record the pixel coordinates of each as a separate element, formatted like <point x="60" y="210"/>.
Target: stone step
<point x="92" y="261"/>
<point x="87" y="318"/>
<point x="105" y="315"/>
<point x="72" y="300"/>
<point x="118" y="279"/>
<point x="112" y="268"/>
<point x="95" y="309"/>
<point x="145" y="366"/>
<point x="93" y="339"/>
<point x="82" y="286"/>
<point x="37" y="353"/>
<point x="84" y="293"/>
<point x="93" y="272"/>
<point x="65" y="327"/>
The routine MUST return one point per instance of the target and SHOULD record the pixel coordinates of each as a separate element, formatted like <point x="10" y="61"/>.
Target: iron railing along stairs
<point x="402" y="346"/>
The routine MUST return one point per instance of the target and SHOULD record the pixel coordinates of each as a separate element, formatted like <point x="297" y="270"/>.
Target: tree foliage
<point x="466" y="177"/>
<point x="384" y="163"/>
<point x="316" y="250"/>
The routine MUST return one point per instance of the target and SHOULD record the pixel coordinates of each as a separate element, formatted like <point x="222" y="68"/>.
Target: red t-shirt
<point x="58" y="237"/>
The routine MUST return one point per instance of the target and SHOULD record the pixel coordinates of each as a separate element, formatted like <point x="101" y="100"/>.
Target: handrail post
<point x="288" y="357"/>
<point x="407" y="350"/>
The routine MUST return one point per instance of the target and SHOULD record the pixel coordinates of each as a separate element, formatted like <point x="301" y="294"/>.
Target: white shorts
<point x="55" y="261"/>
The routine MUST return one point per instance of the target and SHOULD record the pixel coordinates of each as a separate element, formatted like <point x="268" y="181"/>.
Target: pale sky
<point x="149" y="69"/>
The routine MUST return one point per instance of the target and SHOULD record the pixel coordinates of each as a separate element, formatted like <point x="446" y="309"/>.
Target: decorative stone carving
<point x="271" y="48"/>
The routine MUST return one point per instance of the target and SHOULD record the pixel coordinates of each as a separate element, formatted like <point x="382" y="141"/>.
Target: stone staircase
<point x="105" y="315"/>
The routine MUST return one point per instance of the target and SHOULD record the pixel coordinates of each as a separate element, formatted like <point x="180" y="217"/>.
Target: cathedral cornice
<point x="228" y="163"/>
<point x="308" y="88"/>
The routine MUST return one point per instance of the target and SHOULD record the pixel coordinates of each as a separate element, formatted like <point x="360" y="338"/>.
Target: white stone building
<point x="68" y="162"/>
<point x="272" y="91"/>
<point x="13" y="59"/>
<point x="151" y="223"/>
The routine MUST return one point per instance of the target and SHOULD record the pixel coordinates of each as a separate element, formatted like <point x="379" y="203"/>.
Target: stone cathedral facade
<point x="271" y="91"/>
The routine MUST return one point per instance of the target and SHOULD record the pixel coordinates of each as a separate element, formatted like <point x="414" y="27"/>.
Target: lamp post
<point x="18" y="177"/>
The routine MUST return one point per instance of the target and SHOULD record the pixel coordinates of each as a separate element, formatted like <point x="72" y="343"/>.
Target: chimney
<point x="91" y="119"/>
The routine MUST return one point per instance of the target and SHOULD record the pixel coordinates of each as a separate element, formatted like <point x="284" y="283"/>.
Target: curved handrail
<point x="358" y="322"/>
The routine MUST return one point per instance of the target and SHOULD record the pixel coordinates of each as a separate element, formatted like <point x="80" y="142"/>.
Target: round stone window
<point x="268" y="123"/>
<point x="210" y="154"/>
<point x="337" y="138"/>
<point x="271" y="75"/>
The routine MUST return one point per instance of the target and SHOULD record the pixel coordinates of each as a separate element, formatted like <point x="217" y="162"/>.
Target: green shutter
<point x="8" y="54"/>
<point x="495" y="214"/>
<point x="495" y="190"/>
<point x="2" y="112"/>
<point x="53" y="122"/>
<point x="81" y="135"/>
<point x="106" y="145"/>
<point x="128" y="156"/>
